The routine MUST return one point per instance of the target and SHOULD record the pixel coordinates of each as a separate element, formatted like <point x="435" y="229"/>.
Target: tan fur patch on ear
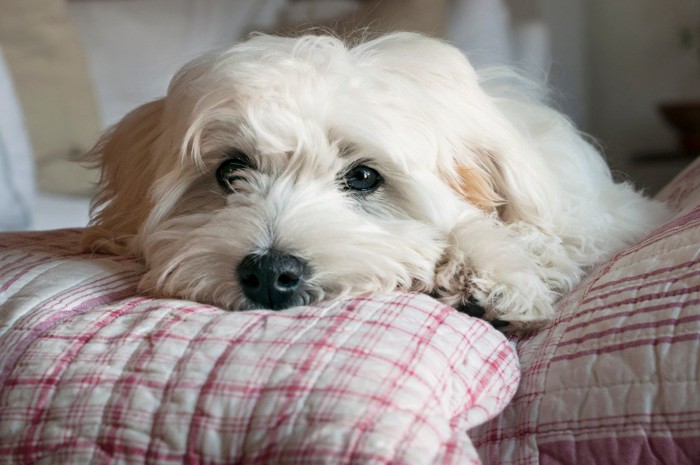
<point x="475" y="186"/>
<point x="478" y="184"/>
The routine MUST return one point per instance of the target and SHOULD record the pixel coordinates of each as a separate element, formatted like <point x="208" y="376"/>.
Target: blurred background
<point x="627" y="73"/>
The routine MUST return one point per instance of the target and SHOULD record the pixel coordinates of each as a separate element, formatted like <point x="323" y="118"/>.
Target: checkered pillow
<point x="92" y="372"/>
<point x="616" y="378"/>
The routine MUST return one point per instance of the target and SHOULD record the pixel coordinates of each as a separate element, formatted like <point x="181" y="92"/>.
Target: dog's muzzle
<point x="273" y="280"/>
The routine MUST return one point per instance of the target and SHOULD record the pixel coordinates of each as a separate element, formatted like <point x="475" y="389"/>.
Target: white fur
<point x="488" y="192"/>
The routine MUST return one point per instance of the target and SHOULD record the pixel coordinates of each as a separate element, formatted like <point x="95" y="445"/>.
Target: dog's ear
<point x="500" y="163"/>
<point x="498" y="179"/>
<point x="502" y="142"/>
<point x="477" y="180"/>
<point x="510" y="147"/>
<point x="128" y="167"/>
<point x="490" y="131"/>
<point x="514" y="151"/>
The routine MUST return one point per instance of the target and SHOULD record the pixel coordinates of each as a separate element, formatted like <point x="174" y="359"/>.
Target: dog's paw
<point x="511" y="295"/>
<point x="518" y="302"/>
<point x="521" y="299"/>
<point x="474" y="309"/>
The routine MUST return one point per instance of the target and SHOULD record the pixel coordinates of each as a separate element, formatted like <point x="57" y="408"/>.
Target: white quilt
<point x="92" y="372"/>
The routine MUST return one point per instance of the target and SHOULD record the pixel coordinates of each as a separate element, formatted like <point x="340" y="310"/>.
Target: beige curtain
<point x="372" y="16"/>
<point x="48" y="68"/>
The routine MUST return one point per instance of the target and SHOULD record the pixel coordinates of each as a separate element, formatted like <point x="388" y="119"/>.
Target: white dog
<point x="286" y="171"/>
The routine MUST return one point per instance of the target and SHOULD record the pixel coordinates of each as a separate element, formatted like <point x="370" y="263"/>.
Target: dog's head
<point x="283" y="171"/>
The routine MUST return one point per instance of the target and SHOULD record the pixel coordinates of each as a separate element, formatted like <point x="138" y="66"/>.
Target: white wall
<point x="135" y="47"/>
<point x="613" y="63"/>
<point x="568" y="74"/>
<point x="635" y="62"/>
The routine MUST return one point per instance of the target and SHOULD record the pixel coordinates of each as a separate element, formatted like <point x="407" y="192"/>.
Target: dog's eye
<point x="362" y="178"/>
<point x="230" y="170"/>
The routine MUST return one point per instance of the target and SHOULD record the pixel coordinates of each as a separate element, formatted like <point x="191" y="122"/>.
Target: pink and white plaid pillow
<point x="616" y="378"/>
<point x="90" y="372"/>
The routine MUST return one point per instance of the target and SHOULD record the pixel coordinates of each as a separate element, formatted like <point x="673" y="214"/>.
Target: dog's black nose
<point x="273" y="280"/>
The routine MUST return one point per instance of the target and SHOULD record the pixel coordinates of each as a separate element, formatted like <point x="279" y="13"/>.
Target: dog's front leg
<point x="503" y="272"/>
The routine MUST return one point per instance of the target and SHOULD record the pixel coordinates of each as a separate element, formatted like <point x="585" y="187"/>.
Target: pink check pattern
<point x="93" y="372"/>
<point x="616" y="378"/>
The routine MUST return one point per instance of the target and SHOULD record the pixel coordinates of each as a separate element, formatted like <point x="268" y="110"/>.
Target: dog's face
<point x="286" y="171"/>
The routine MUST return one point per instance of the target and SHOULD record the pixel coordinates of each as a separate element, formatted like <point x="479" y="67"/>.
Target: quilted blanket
<point x="615" y="379"/>
<point x="92" y="372"/>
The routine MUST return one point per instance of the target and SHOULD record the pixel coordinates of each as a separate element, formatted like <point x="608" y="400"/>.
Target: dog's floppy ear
<point x="477" y="181"/>
<point x="511" y="141"/>
<point x="489" y="131"/>
<point x="128" y="166"/>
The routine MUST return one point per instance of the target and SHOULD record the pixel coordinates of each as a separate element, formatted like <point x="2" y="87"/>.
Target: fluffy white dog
<point x="286" y="171"/>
